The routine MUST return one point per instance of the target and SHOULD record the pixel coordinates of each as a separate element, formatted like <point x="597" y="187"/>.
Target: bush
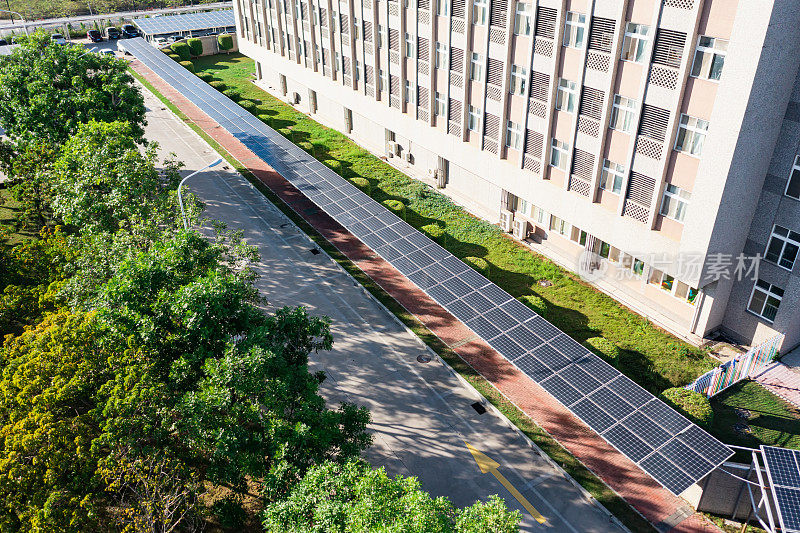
<point x="205" y="76"/>
<point x="434" y="232"/>
<point x="248" y="105"/>
<point x="479" y="264"/>
<point x="363" y="184"/>
<point x="166" y="49"/>
<point x="691" y="404"/>
<point x="604" y="348"/>
<point x="229" y="513"/>
<point x="195" y="46"/>
<point x="188" y="65"/>
<point x="225" y="41"/>
<point x="264" y="118"/>
<point x="307" y="146"/>
<point x="233" y="94"/>
<point x="218" y="85"/>
<point x="397" y="207"/>
<point x="537" y="304"/>
<point x="173" y="56"/>
<point x="333" y="164"/>
<point x="183" y="51"/>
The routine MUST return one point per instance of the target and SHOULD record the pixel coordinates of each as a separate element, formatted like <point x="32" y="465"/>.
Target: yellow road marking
<point x="486" y="464"/>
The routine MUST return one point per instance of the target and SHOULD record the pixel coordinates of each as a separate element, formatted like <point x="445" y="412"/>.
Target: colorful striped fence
<point x="740" y="367"/>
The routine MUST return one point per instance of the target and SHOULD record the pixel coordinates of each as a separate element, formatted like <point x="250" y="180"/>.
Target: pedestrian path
<point x="783" y="378"/>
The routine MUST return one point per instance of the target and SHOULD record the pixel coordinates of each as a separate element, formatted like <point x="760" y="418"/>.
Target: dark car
<point x="129" y="31"/>
<point x="95" y="36"/>
<point x="113" y="33"/>
<point x="3" y="42"/>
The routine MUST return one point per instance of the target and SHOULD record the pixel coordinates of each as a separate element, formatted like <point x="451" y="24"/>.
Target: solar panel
<point x="783" y="473"/>
<point x="640" y="426"/>
<point x="187" y="22"/>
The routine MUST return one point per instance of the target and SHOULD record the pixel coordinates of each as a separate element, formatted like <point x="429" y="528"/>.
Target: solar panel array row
<point x="187" y="22"/>
<point x="783" y="472"/>
<point x="663" y="443"/>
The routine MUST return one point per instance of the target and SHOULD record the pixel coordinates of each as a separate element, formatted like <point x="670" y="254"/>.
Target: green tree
<point x="356" y="498"/>
<point x="47" y="90"/>
<point x="103" y="182"/>
<point x="28" y="167"/>
<point x="195" y="46"/>
<point x="225" y="42"/>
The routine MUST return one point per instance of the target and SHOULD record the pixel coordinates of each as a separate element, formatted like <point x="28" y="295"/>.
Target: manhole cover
<point x="545" y="283"/>
<point x="479" y="408"/>
<point x="424" y="358"/>
<point x="314" y="251"/>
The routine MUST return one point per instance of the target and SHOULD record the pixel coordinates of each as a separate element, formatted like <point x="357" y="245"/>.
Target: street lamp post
<point x="180" y="198"/>
<point x="24" y="24"/>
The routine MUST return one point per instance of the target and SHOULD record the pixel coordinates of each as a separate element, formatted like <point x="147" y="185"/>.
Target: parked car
<point x="107" y="52"/>
<point x="3" y="42"/>
<point x="95" y="36"/>
<point x="58" y="38"/>
<point x="160" y="42"/>
<point x="112" y="33"/>
<point x="129" y="31"/>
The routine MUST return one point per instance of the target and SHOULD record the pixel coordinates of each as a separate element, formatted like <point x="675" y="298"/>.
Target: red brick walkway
<point x="640" y="490"/>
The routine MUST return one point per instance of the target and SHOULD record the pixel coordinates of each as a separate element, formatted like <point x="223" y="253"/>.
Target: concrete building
<point x="651" y="145"/>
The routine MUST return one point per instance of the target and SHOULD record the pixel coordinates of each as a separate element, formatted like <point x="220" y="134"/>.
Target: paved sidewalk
<point x="658" y="505"/>
<point x="783" y="378"/>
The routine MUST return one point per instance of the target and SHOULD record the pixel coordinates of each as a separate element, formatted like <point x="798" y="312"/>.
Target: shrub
<point x="183" y="51"/>
<point x="264" y="118"/>
<point x="604" y="348"/>
<point x="233" y="94"/>
<point x="333" y="164"/>
<point x="173" y="56"/>
<point x="166" y="49"/>
<point x="435" y="232"/>
<point x="363" y="184"/>
<point x="195" y="46"/>
<point x="218" y="85"/>
<point x="397" y="207"/>
<point x="225" y="41"/>
<point x="691" y="404"/>
<point x="187" y="65"/>
<point x="479" y="264"/>
<point x="307" y="146"/>
<point x="248" y="105"/>
<point x="205" y="76"/>
<point x="537" y="304"/>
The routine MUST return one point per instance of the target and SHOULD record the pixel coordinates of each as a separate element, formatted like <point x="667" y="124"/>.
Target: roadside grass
<point x="585" y="477"/>
<point x="8" y="210"/>
<point x="652" y="357"/>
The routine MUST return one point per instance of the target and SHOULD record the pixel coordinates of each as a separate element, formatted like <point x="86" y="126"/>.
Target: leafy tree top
<point x="47" y="90"/>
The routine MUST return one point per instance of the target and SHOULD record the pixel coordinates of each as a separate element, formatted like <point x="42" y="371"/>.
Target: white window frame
<point x="476" y="67"/>
<point x="383" y="38"/>
<point x="356" y="28"/>
<point x="767" y="291"/>
<point x="794" y="175"/>
<point x="635" y="43"/>
<point x="357" y="70"/>
<point x="613" y="172"/>
<point x="690" y="131"/>
<point x="514" y="135"/>
<point x="560" y="226"/>
<point x="708" y="51"/>
<point x="383" y="80"/>
<point x="523" y="14"/>
<point x="408" y="92"/>
<point x="787" y="240"/>
<point x="443" y="8"/>
<point x="623" y="114"/>
<point x="675" y="202"/>
<point x="480" y="11"/>
<point x="474" y="119"/>
<point x="574" y="29"/>
<point x="439" y="104"/>
<point x="561" y="150"/>
<point x="440" y="57"/>
<point x="409" y="45"/>
<point x="518" y="81"/>
<point x="566" y="95"/>
<point x="538" y="215"/>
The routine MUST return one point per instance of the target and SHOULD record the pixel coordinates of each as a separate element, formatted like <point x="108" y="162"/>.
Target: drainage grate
<point x="479" y="408"/>
<point x="314" y="251"/>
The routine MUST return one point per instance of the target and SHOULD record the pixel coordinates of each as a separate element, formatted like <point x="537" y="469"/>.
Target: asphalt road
<point x="422" y="415"/>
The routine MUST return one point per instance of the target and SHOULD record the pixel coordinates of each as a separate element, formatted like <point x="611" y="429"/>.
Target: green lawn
<point x="652" y="357"/>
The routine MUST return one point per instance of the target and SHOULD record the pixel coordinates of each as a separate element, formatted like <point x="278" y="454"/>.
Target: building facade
<point x="649" y="144"/>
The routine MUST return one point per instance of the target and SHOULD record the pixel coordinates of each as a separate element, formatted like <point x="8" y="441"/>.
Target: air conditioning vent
<point x="392" y="148"/>
<point x="521" y="228"/>
<point x="295" y="98"/>
<point x="506" y="220"/>
<point x="408" y="158"/>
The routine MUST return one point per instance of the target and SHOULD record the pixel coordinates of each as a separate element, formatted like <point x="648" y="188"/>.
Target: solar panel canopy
<point x="783" y="473"/>
<point x="667" y="446"/>
<point x="187" y="22"/>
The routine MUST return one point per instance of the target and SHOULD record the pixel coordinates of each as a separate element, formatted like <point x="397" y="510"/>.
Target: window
<point x="382" y="40"/>
<point x="441" y="55"/>
<point x="559" y="153"/>
<point x="538" y="215"/>
<point x="765" y="300"/>
<point x="622" y="114"/>
<point x="566" y="96"/>
<point x="662" y="279"/>
<point x="519" y="75"/>
<point x="476" y="67"/>
<point x="337" y="62"/>
<point x="611" y="176"/>
<point x="480" y="9"/>
<point x="685" y="292"/>
<point x="691" y="134"/>
<point x="383" y="80"/>
<point x="522" y="18"/>
<point x="474" y="119"/>
<point x="782" y="247"/>
<point x="357" y="70"/>
<point x="559" y="225"/>
<point x="356" y="28"/>
<point x="440" y="105"/>
<point x="675" y="202"/>
<point x="709" y="58"/>
<point x="443" y="7"/>
<point x="793" y="185"/>
<point x="574" y="29"/>
<point x="409" y="45"/>
<point x="514" y="135"/>
<point x="408" y="92"/>
<point x="635" y="44"/>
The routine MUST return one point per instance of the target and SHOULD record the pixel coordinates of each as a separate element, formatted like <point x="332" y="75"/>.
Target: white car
<point x="160" y="42"/>
<point x="107" y="52"/>
<point x="58" y="38"/>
